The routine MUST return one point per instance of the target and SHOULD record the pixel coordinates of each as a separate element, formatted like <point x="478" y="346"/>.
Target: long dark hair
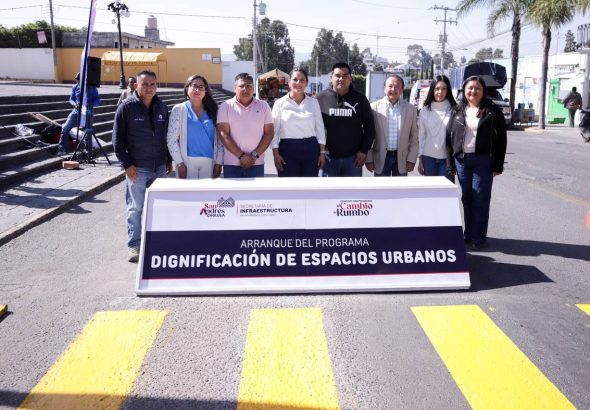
<point x="208" y="102"/>
<point x="485" y="103"/>
<point x="430" y="96"/>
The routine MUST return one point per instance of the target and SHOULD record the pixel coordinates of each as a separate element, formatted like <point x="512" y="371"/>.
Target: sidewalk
<point x="35" y="201"/>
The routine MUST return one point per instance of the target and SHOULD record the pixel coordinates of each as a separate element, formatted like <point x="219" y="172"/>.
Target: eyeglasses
<point x="197" y="87"/>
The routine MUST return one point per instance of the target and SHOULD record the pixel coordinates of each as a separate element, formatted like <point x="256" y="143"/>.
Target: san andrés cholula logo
<point x="354" y="207"/>
<point x="217" y="210"/>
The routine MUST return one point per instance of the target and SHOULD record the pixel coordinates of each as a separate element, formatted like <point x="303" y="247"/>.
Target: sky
<point x="387" y="27"/>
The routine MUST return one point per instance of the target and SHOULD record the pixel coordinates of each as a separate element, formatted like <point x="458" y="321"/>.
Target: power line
<point x="389" y="6"/>
<point x="22" y="7"/>
<point x="359" y="34"/>
<point x="165" y="14"/>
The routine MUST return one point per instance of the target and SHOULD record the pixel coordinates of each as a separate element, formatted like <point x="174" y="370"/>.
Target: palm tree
<point x="548" y="13"/>
<point x="502" y="9"/>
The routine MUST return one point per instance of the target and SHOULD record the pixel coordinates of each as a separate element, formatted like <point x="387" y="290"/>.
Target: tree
<point x="328" y="49"/>
<point x="356" y="61"/>
<point x="484" y="54"/>
<point x="378" y="67"/>
<point x="501" y="10"/>
<point x="274" y="47"/>
<point x="25" y="35"/>
<point x="498" y="53"/>
<point x="418" y="57"/>
<point x="449" y="60"/>
<point x="548" y="13"/>
<point x="570" y="42"/>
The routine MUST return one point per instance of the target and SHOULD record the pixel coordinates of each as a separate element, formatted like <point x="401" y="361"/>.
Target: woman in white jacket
<point x="193" y="140"/>
<point x="432" y="128"/>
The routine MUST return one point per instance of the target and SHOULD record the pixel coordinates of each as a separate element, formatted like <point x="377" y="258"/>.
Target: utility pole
<point x="443" y="37"/>
<point x="53" y="42"/>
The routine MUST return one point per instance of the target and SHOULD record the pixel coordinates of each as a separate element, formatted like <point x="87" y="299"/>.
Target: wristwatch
<point x="255" y="154"/>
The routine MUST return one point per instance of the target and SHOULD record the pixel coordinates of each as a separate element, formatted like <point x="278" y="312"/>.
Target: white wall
<point x="233" y="68"/>
<point x="26" y="63"/>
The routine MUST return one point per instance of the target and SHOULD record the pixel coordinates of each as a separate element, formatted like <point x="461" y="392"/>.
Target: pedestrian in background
<point x="432" y="128"/>
<point x="476" y="144"/>
<point x="299" y="143"/>
<point x="93" y="99"/>
<point x="193" y="140"/>
<point x="131" y="86"/>
<point x="573" y="102"/>
<point x="246" y="129"/>
<point x="139" y="141"/>
<point x="395" y="149"/>
<point x="349" y="125"/>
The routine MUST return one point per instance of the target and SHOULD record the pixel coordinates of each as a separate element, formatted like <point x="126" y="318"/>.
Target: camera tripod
<point x="84" y="149"/>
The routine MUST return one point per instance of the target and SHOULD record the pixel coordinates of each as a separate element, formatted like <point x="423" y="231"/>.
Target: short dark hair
<point x="342" y="65"/>
<point x="243" y="76"/>
<point x="148" y="73"/>
<point x="132" y="80"/>
<point x="430" y="96"/>
<point x="574" y="89"/>
<point x="398" y="77"/>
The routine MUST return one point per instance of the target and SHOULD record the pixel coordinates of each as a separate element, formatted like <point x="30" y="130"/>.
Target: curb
<point x="50" y="213"/>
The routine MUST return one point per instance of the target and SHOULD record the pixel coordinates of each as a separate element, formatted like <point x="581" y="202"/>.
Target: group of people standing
<point x="338" y="133"/>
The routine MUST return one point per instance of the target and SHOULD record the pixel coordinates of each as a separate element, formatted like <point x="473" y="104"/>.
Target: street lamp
<point x="262" y="9"/>
<point x="119" y="8"/>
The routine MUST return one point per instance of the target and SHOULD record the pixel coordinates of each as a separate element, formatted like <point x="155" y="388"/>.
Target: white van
<point x="419" y="92"/>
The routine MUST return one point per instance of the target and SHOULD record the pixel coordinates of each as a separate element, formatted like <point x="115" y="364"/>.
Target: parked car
<point x="419" y="92"/>
<point x="494" y="75"/>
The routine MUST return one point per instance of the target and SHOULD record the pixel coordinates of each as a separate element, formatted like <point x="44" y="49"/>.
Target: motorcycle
<point x="585" y="124"/>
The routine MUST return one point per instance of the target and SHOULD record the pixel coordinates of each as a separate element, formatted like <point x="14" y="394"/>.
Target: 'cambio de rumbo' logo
<point x="354" y="207"/>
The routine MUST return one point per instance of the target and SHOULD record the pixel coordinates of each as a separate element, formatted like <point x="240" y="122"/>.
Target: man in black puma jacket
<point x="349" y="125"/>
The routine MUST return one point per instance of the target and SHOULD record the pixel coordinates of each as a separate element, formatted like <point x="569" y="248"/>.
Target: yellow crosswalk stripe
<point x="584" y="308"/>
<point x="491" y="371"/>
<point x="286" y="362"/>
<point x="99" y="367"/>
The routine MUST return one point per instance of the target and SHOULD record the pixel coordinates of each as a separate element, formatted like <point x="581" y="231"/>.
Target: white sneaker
<point x="133" y="255"/>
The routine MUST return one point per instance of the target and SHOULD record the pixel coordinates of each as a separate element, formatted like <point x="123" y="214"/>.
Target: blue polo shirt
<point x="200" y="134"/>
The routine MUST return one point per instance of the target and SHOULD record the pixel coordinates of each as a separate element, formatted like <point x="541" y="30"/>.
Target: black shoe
<point x="61" y="151"/>
<point x="477" y="246"/>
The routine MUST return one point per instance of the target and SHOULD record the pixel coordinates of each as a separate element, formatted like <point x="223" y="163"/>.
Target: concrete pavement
<point x="35" y="201"/>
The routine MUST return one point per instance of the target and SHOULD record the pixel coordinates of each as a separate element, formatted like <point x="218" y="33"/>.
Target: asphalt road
<point x="57" y="275"/>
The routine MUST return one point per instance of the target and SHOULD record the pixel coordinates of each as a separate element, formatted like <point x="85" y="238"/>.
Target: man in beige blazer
<point x="395" y="149"/>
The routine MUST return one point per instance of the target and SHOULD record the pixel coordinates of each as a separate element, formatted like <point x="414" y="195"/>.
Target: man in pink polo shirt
<point x="246" y="128"/>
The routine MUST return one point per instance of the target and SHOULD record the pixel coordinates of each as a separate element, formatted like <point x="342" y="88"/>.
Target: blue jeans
<point x="301" y="157"/>
<point x="390" y="166"/>
<point x="435" y="167"/>
<point x="236" y="171"/>
<point x="342" y="167"/>
<point x="70" y="123"/>
<point x="135" y="197"/>
<point x="475" y="177"/>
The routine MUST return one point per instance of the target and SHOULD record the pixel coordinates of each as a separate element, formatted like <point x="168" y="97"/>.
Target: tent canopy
<point x="132" y="58"/>
<point x="273" y="73"/>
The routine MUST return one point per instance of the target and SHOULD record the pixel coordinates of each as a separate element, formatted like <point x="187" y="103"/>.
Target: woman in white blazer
<point x="193" y="140"/>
